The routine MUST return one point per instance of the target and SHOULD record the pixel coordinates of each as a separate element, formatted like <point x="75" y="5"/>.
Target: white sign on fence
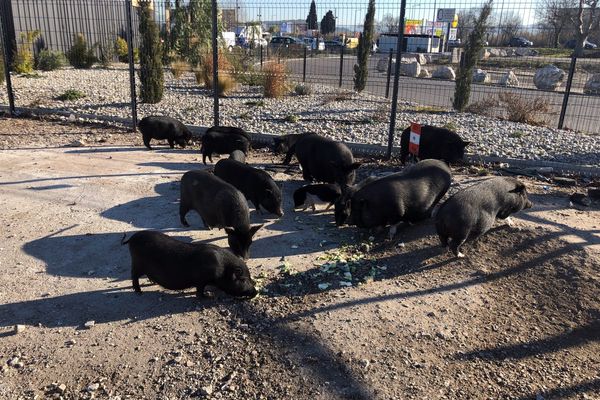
<point x="452" y="34"/>
<point x="446" y="14"/>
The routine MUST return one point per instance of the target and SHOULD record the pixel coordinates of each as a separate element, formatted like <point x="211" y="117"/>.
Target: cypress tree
<point x="311" y="20"/>
<point x="328" y="23"/>
<point x="365" y="43"/>
<point x="473" y="47"/>
<point x="151" y="72"/>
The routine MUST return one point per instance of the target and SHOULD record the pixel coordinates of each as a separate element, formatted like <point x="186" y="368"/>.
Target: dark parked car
<point x="520" y="42"/>
<point x="287" y="42"/>
<point x="570" y="44"/>
<point x="333" y="45"/>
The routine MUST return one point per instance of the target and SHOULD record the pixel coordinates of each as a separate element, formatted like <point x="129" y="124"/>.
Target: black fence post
<point x="215" y="55"/>
<point x="304" y="65"/>
<point x="389" y="74"/>
<point x="396" y="79"/>
<point x="261" y="56"/>
<point x="5" y="56"/>
<point x="341" y="65"/>
<point x="563" y="109"/>
<point x="128" y="13"/>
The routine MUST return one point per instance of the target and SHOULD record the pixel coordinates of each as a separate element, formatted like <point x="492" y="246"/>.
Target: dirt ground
<point x="342" y="314"/>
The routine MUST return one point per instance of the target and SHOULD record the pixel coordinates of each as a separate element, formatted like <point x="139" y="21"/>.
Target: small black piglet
<point x="161" y="127"/>
<point x="436" y="143"/>
<point x="311" y="195"/>
<point x="472" y="211"/>
<point x="177" y="265"/>
<point x="257" y="185"/>
<point x="224" y="140"/>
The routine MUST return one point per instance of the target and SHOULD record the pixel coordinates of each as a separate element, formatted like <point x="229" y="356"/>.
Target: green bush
<point x="303" y="90"/>
<point x="80" y="55"/>
<point x="23" y="61"/>
<point x="70" y="95"/>
<point x="151" y="68"/>
<point x="107" y="54"/>
<point x="122" y="49"/>
<point x="49" y="60"/>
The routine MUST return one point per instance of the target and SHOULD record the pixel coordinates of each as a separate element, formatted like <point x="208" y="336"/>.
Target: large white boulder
<point x="592" y="86"/>
<point x="509" y="79"/>
<point x="444" y="72"/>
<point x="481" y="76"/>
<point x="549" y="77"/>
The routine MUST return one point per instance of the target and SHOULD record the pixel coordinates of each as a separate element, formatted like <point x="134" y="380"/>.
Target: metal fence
<point x="248" y="29"/>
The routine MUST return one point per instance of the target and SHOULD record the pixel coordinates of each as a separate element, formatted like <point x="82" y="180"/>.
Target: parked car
<point x="520" y="42"/>
<point x="333" y="45"/>
<point x="570" y="44"/>
<point x="287" y="42"/>
<point x="314" y="43"/>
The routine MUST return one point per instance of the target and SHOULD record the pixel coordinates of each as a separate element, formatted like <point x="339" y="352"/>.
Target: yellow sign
<point x="454" y="22"/>
<point x="415" y="22"/>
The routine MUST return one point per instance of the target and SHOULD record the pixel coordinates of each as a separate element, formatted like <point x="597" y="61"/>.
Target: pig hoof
<point x="460" y="255"/>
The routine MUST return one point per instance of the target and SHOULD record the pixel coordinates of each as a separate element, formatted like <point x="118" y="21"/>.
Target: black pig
<point x="472" y="211"/>
<point x="160" y="127"/>
<point x="436" y="143"/>
<point x="224" y="140"/>
<point x="255" y="184"/>
<point x="220" y="205"/>
<point x="407" y="196"/>
<point x="342" y="204"/>
<point x="310" y="195"/>
<point x="323" y="159"/>
<point x="177" y="265"/>
<point x="284" y="142"/>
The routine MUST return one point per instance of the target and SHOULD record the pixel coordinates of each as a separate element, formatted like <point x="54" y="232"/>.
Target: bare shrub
<point x="206" y="69"/>
<point x="225" y="84"/>
<point x="275" y="80"/>
<point x="513" y="107"/>
<point x="522" y="109"/>
<point x="483" y="107"/>
<point x="178" y="67"/>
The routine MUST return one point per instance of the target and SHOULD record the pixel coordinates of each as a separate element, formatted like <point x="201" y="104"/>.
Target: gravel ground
<point x="341" y="315"/>
<point x="343" y="115"/>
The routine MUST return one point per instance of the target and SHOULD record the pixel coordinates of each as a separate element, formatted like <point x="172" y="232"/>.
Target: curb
<point x="360" y="149"/>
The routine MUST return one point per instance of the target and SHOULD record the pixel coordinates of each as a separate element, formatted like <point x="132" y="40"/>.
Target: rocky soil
<point x="343" y="314"/>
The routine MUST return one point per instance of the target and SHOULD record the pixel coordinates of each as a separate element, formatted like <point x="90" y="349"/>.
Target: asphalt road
<point x="583" y="112"/>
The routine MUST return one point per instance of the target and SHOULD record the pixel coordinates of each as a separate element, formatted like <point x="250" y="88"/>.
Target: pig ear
<point x="519" y="189"/>
<point x="255" y="228"/>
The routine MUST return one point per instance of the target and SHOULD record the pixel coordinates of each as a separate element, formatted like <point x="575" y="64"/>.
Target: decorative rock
<point x="484" y="54"/>
<point x="444" y="72"/>
<point x="92" y="387"/>
<point x="382" y="64"/>
<point x="480" y="76"/>
<point x="549" y="77"/>
<point x="206" y="390"/>
<point x="89" y="324"/>
<point x="424" y="73"/>
<point x="497" y="52"/>
<point x="19" y="328"/>
<point x="412" y="69"/>
<point x="61" y="388"/>
<point x="592" y="86"/>
<point x="525" y="52"/>
<point x="509" y="79"/>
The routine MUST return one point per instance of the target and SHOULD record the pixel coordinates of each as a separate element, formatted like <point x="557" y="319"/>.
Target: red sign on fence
<point x="415" y="139"/>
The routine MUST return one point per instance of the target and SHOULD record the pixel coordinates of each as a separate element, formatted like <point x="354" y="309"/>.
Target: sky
<point x="352" y="12"/>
